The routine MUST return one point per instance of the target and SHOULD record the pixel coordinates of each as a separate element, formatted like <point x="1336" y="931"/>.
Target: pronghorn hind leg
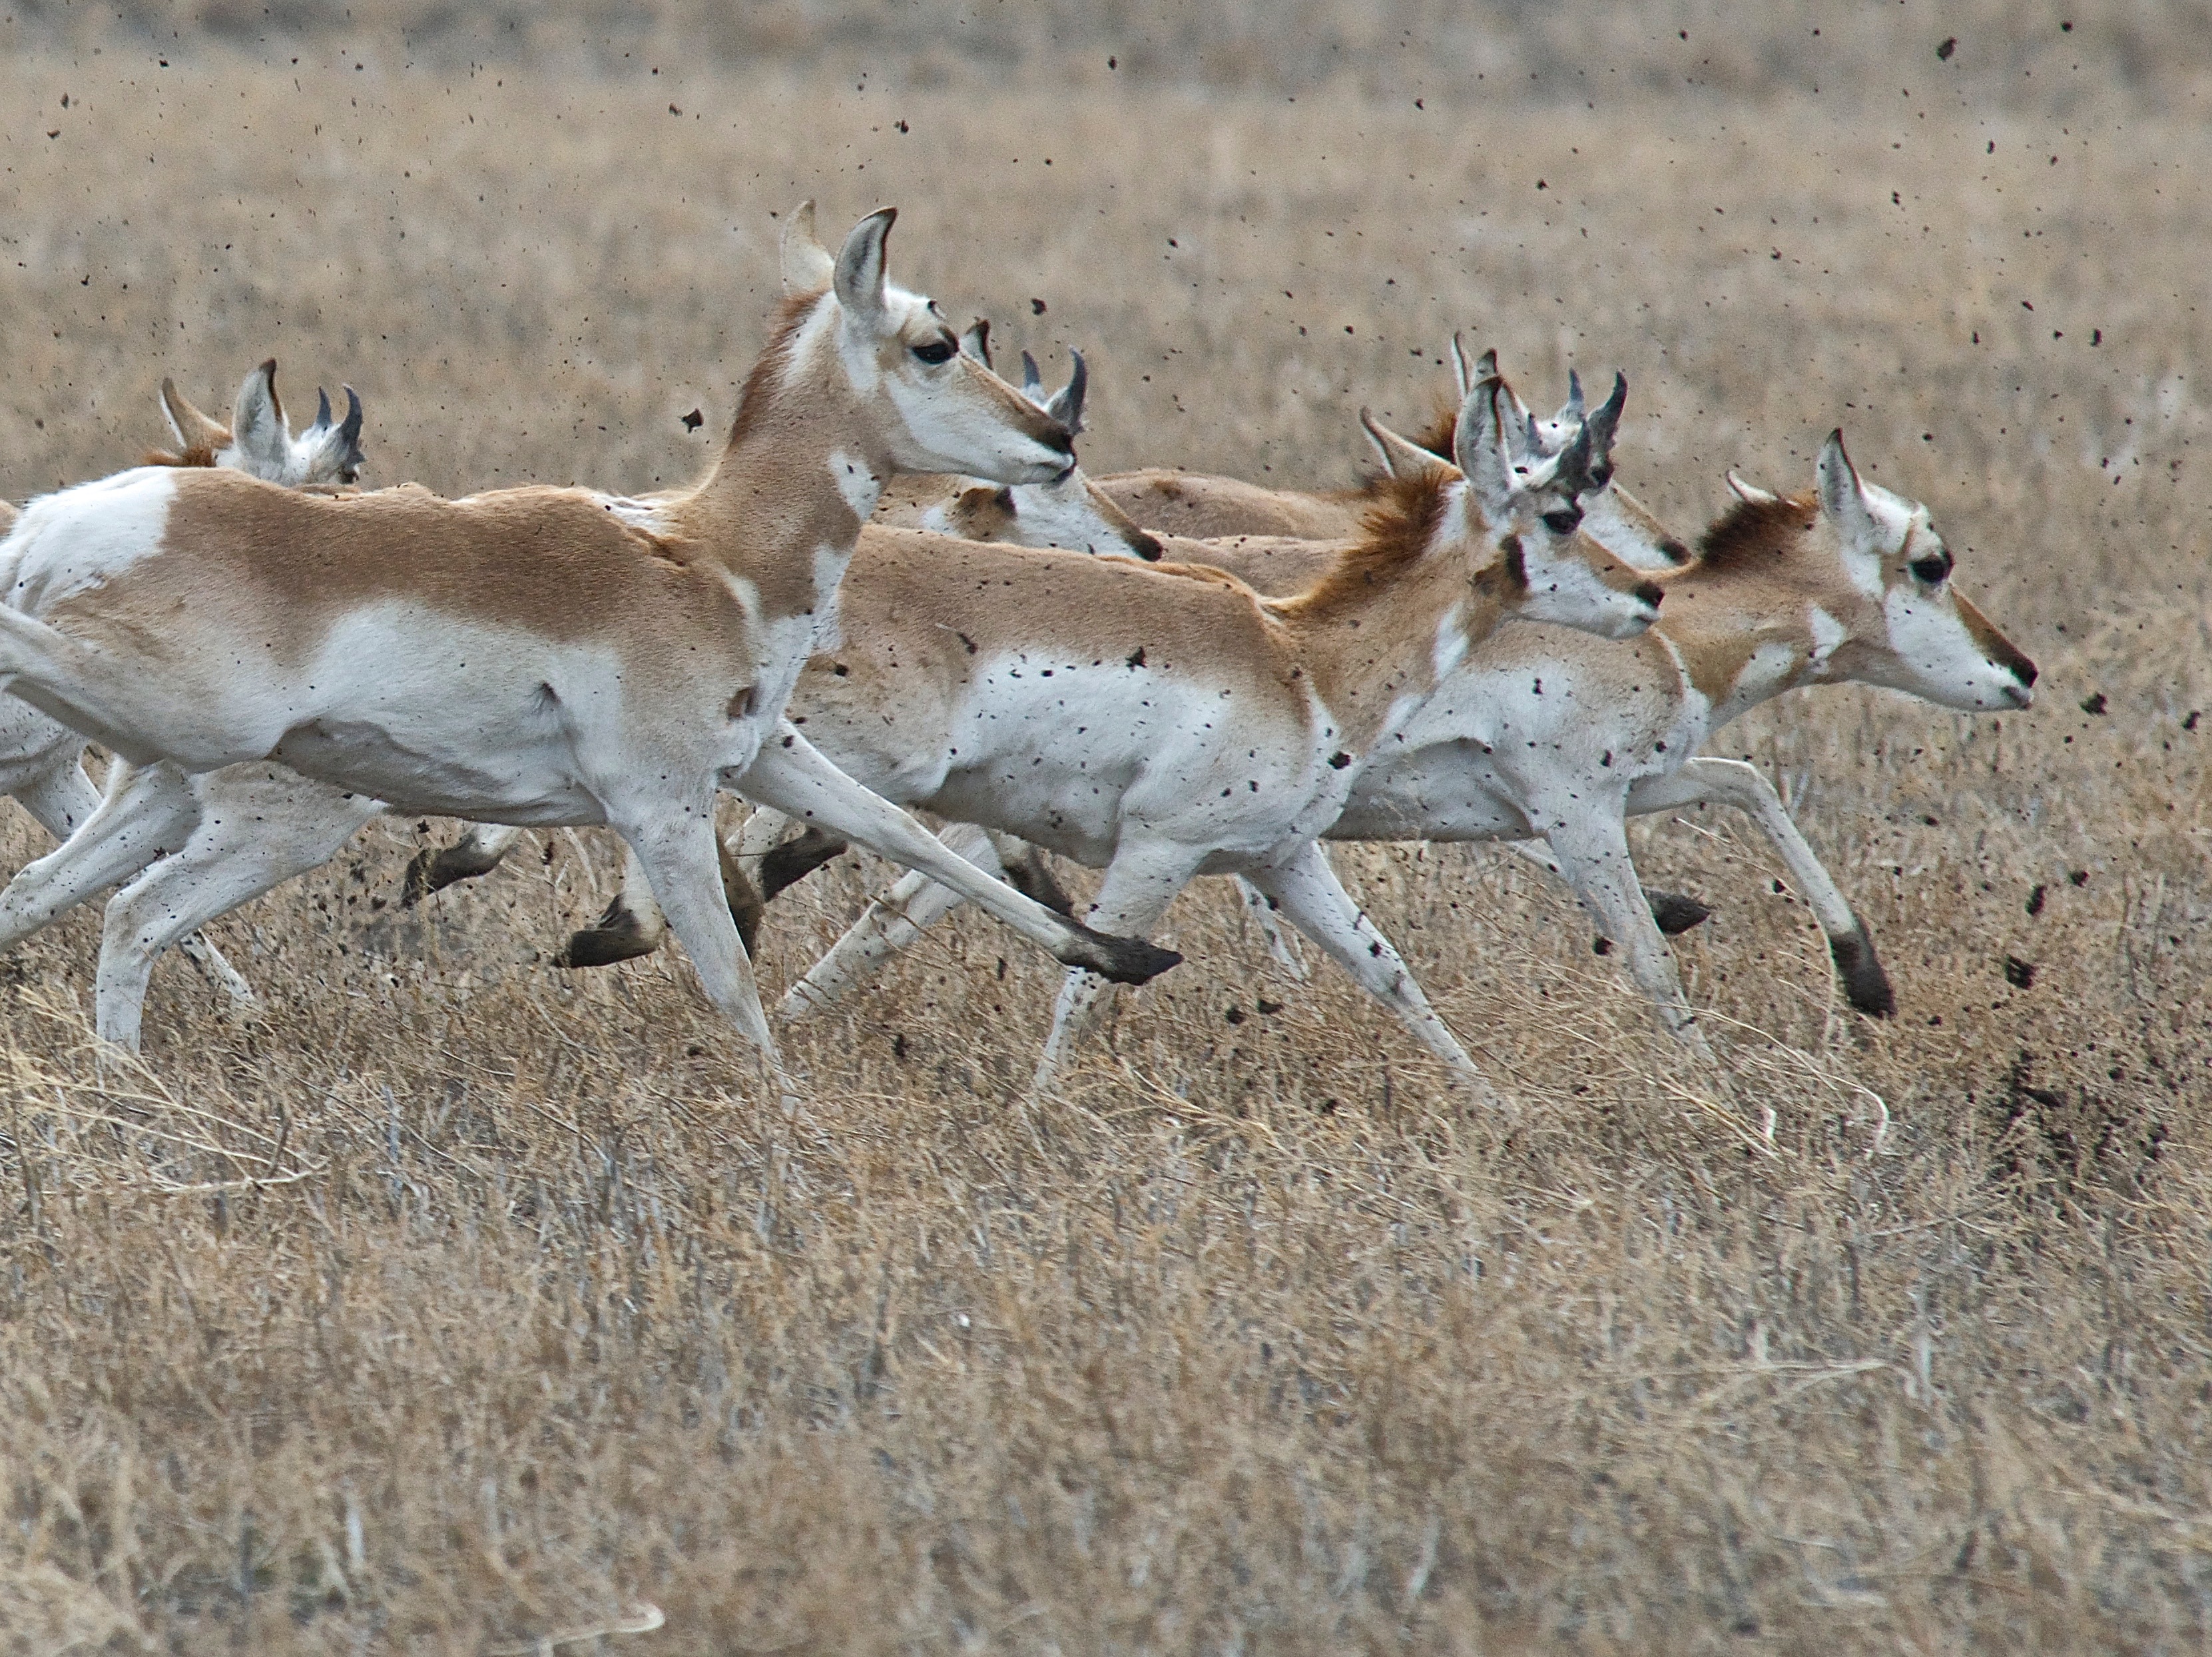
<point x="1029" y="874"/>
<point x="1676" y="913"/>
<point x="1305" y="888"/>
<point x="1282" y="945"/>
<point x="257" y="828"/>
<point x="678" y="855"/>
<point x="144" y="812"/>
<point x="62" y="797"/>
<point x="1139" y="884"/>
<point x="791" y="775"/>
<point x="1732" y="783"/>
<point x="1592" y="846"/>
<point x="435" y="868"/>
<point x="788" y="864"/>
<point x="890" y="923"/>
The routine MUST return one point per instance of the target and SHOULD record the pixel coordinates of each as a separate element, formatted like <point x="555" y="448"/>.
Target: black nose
<point x="1055" y="436"/>
<point x="1145" y="547"/>
<point x="1651" y="592"/>
<point x="2024" y="671"/>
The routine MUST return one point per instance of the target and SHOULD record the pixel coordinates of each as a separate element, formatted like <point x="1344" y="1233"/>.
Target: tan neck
<point x="1742" y="638"/>
<point x="802" y="471"/>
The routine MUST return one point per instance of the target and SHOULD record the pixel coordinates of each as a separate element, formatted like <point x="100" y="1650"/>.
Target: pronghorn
<point x="1539" y="734"/>
<point x="534" y="656"/>
<point x="1167" y="722"/>
<point x="41" y="760"/>
<point x="1067" y="512"/>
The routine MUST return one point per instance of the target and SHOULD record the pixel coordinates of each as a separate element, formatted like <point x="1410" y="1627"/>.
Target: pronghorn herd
<point x="894" y="589"/>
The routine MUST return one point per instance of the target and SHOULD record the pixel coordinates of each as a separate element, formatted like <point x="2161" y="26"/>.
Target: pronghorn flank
<point x="1539" y="733"/>
<point x="531" y="655"/>
<point x="41" y="760"/>
<point x="1166" y="722"/>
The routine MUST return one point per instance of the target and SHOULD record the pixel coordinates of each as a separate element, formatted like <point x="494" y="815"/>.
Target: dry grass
<point x="458" y="1303"/>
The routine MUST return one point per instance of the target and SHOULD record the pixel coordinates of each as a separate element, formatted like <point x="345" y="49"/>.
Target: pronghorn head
<point x="260" y="442"/>
<point x="938" y="408"/>
<point x="1070" y="512"/>
<point x="1885" y="609"/>
<point x="1534" y="513"/>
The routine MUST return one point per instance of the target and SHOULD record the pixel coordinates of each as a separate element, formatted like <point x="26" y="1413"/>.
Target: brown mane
<point x="757" y="393"/>
<point x="1752" y="530"/>
<point x="1400" y="523"/>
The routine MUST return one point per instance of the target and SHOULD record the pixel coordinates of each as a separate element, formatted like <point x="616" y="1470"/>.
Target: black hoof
<point x="602" y="947"/>
<point x="794" y="859"/>
<point x="434" y="870"/>
<point x="1677" y="912"/>
<point x="1866" y="986"/>
<point x="1124" y="960"/>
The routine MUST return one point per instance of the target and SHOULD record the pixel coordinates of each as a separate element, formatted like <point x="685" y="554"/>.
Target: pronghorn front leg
<point x="1592" y="846"/>
<point x="677" y="850"/>
<point x="1313" y="900"/>
<point x="1281" y="947"/>
<point x="889" y="924"/>
<point x="1139" y="884"/>
<point x="792" y="775"/>
<point x="1732" y="783"/>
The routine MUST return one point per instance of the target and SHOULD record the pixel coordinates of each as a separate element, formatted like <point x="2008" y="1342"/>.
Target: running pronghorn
<point x="41" y="761"/>
<point x="536" y="655"/>
<point x="1067" y="512"/>
<point x="1163" y="722"/>
<point x="1540" y="735"/>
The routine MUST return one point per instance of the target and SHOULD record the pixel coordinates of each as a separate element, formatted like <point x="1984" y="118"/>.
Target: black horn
<point x="1067" y="403"/>
<point x="322" y="408"/>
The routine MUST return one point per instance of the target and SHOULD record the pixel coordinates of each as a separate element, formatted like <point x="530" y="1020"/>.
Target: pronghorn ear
<point x="190" y="426"/>
<point x="256" y="422"/>
<point x="1464" y="374"/>
<point x="1065" y="405"/>
<point x="350" y="433"/>
<point x="1479" y="445"/>
<point x="977" y="342"/>
<point x="1401" y="457"/>
<point x="807" y="266"/>
<point x="1604" y="424"/>
<point x="859" y="278"/>
<point x="1751" y="492"/>
<point x="1841" y="496"/>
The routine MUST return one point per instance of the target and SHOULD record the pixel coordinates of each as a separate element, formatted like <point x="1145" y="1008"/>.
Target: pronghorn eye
<point x="1930" y="572"/>
<point x="1564" y="522"/>
<point x="936" y="351"/>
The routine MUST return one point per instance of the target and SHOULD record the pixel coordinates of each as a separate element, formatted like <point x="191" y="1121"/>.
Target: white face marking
<point x="829" y="566"/>
<point x="861" y="488"/>
<point x="1563" y="588"/>
<point x="1627" y="537"/>
<point x="1936" y="657"/>
<point x="1828" y="634"/>
<point x="1450" y="647"/>
<point x="1063" y="514"/>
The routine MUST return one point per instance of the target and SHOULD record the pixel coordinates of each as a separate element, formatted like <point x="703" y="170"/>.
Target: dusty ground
<point x="458" y="1302"/>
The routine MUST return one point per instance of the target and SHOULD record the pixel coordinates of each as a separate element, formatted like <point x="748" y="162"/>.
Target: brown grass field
<point x="456" y="1304"/>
